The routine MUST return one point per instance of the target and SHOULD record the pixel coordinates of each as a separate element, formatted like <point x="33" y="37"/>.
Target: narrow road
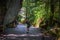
<point x="22" y="29"/>
<point x="19" y="33"/>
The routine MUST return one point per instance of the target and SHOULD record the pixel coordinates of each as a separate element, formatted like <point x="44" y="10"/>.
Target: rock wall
<point x="8" y="11"/>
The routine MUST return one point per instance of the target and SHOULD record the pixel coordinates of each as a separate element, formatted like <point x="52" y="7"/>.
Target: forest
<point x="44" y="14"/>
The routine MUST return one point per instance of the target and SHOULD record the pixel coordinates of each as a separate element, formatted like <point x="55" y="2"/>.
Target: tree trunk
<point x="52" y="12"/>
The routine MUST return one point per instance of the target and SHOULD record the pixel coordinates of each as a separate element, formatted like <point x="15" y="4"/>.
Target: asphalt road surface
<point x="22" y="29"/>
<point x="19" y="33"/>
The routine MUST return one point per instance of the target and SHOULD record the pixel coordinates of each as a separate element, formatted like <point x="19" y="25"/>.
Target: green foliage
<point x="37" y="9"/>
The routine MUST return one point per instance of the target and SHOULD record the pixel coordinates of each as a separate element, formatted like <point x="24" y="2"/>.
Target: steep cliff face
<point x="8" y="11"/>
<point x="13" y="7"/>
<point x="2" y="13"/>
<point x="2" y="10"/>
